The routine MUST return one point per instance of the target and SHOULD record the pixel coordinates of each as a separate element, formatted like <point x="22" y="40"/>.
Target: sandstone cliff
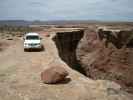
<point x="108" y="55"/>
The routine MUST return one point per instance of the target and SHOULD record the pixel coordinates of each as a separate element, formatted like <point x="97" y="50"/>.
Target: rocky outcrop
<point x="80" y="87"/>
<point x="108" y="55"/>
<point x="53" y="75"/>
<point x="118" y="38"/>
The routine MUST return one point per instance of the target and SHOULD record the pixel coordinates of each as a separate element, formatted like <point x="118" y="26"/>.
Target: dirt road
<point x="20" y="74"/>
<point x="20" y="71"/>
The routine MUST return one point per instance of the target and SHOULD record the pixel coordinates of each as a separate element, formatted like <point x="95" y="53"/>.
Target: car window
<point x="32" y="38"/>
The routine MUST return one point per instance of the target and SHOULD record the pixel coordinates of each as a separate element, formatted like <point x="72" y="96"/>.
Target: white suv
<point x="32" y="41"/>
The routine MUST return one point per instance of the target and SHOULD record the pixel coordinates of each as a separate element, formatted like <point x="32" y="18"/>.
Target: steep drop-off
<point x="66" y="43"/>
<point x="108" y="55"/>
<point x="102" y="54"/>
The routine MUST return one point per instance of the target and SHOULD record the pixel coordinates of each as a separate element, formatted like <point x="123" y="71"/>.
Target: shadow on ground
<point x="36" y="50"/>
<point x="65" y="81"/>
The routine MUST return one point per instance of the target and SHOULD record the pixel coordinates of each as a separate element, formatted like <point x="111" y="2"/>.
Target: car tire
<point x="42" y="48"/>
<point x="25" y="50"/>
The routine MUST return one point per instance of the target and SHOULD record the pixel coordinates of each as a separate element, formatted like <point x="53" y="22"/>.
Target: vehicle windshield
<point x="33" y="37"/>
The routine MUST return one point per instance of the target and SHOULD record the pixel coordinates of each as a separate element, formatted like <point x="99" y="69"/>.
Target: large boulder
<point x="54" y="74"/>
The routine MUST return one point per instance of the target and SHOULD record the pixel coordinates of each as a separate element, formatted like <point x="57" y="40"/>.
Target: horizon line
<point x="65" y="20"/>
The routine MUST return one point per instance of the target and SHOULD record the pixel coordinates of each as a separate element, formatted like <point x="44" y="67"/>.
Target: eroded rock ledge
<point x="108" y="54"/>
<point x="81" y="51"/>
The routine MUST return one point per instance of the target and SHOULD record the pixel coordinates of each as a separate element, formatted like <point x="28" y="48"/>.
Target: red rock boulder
<point x="53" y="75"/>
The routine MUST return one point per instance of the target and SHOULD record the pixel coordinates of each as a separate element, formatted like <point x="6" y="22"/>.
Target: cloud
<point x="66" y="9"/>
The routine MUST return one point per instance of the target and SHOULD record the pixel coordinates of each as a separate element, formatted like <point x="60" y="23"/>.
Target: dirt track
<point x="20" y="71"/>
<point x="20" y="74"/>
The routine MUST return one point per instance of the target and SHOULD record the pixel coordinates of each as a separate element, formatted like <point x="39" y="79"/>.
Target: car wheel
<point x="25" y="50"/>
<point x="42" y="48"/>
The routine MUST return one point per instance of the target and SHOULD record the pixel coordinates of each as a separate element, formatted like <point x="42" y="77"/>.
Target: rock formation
<point x="108" y="55"/>
<point x="88" y="49"/>
<point x="53" y="75"/>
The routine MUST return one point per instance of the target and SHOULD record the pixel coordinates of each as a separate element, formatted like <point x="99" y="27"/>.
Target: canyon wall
<point x="66" y="43"/>
<point x="108" y="55"/>
<point x="99" y="54"/>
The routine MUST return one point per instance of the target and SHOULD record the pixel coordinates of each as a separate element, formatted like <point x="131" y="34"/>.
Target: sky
<point x="105" y="10"/>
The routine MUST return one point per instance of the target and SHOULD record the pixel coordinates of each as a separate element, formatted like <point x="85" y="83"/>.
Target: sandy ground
<point x="20" y="74"/>
<point x="20" y="71"/>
